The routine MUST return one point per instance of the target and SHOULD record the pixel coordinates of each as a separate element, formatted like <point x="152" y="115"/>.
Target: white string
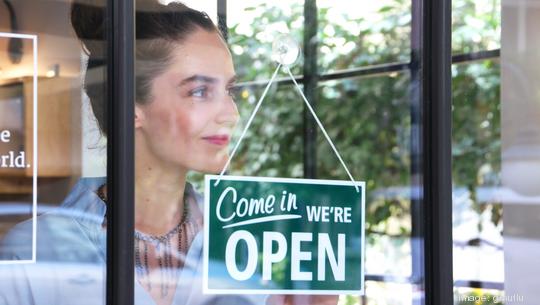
<point x="322" y="127"/>
<point x="312" y="113"/>
<point x="248" y="124"/>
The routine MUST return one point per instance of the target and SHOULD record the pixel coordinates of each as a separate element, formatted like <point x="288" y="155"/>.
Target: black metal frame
<point x="310" y="81"/>
<point x="374" y="70"/>
<point x="120" y="150"/>
<point x="435" y="59"/>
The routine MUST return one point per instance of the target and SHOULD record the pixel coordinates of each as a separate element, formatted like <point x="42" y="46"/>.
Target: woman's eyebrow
<point x="198" y="78"/>
<point x="233" y="80"/>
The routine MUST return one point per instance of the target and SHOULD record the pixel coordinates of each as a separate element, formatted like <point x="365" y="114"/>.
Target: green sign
<point x="283" y="236"/>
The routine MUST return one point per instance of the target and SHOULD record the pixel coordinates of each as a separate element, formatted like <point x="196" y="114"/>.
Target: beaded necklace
<point x="163" y="248"/>
<point x="165" y="253"/>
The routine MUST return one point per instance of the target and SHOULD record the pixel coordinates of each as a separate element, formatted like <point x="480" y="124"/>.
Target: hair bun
<point x="158" y="31"/>
<point x="87" y="19"/>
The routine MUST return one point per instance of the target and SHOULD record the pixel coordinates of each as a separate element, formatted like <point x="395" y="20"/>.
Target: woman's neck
<point x="159" y="196"/>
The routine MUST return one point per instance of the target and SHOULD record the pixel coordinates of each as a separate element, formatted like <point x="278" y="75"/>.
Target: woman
<point x="184" y="118"/>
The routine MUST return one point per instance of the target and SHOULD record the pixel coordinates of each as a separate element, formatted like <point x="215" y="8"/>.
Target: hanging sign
<point x="283" y="236"/>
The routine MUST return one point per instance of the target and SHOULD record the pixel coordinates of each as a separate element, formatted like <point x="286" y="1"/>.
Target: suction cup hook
<point x="285" y="50"/>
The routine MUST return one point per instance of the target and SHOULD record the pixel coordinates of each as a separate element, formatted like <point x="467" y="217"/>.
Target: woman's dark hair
<point x="159" y="28"/>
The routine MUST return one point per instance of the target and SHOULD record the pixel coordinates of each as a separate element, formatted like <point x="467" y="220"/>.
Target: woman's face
<point x="191" y="115"/>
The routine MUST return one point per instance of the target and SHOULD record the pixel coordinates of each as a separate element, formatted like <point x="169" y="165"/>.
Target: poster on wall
<point x="283" y="236"/>
<point x="19" y="131"/>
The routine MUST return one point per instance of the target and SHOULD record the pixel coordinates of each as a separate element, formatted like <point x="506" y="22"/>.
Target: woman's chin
<point x="215" y="171"/>
<point x="214" y="168"/>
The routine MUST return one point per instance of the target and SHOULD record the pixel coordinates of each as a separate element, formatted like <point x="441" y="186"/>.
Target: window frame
<point x="120" y="25"/>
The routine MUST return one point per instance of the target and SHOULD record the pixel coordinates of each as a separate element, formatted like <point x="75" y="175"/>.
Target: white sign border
<point x="34" y="39"/>
<point x="207" y="290"/>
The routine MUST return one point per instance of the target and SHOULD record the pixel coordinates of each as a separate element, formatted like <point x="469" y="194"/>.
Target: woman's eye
<point x="232" y="91"/>
<point x="199" y="92"/>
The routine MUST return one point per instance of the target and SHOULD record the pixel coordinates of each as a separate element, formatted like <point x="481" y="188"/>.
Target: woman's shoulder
<point x="59" y="229"/>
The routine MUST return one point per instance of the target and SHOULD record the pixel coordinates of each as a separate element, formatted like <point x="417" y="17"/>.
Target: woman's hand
<point x="302" y="300"/>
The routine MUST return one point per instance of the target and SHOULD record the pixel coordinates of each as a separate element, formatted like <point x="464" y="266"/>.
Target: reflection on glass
<point x="352" y="117"/>
<point x="185" y="117"/>
<point x="273" y="144"/>
<point x="357" y="34"/>
<point x="253" y="25"/>
<point x="476" y="25"/>
<point x="520" y="150"/>
<point x="66" y="265"/>
<point x="367" y="115"/>
<point x="476" y="155"/>
<point x="477" y="210"/>
<point x="367" y="118"/>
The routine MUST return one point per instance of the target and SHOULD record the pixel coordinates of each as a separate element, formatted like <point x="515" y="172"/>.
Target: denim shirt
<point x="71" y="258"/>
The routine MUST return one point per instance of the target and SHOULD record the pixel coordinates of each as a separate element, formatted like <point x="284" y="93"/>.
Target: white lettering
<point x="313" y="213"/>
<point x="242" y="204"/>
<point x="244" y="207"/>
<point x="256" y="206"/>
<point x="19" y="160"/>
<point x="272" y="257"/>
<point x="282" y="205"/>
<point x="230" y="255"/>
<point x="220" y="202"/>
<point x="338" y="214"/>
<point x="291" y="202"/>
<point x="269" y="205"/>
<point x="325" y="214"/>
<point x="347" y="217"/>
<point x="337" y="265"/>
<point x="5" y="136"/>
<point x="297" y="255"/>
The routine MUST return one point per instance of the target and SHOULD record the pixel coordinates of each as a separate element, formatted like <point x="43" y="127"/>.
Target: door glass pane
<point x="196" y="92"/>
<point x="52" y="152"/>
<point x="252" y="26"/>
<point x="520" y="149"/>
<point x="496" y="153"/>
<point x="478" y="223"/>
<point x="350" y="120"/>
<point x="359" y="34"/>
<point x="476" y="26"/>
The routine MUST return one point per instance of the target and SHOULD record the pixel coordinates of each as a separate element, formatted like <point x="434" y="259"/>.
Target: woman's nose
<point x="228" y="113"/>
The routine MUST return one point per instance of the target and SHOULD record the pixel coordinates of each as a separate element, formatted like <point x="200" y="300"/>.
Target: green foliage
<point x="476" y="131"/>
<point x="378" y="36"/>
<point x="476" y="25"/>
<point x="368" y="118"/>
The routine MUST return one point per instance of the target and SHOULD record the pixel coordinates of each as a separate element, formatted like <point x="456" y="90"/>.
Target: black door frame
<point x="432" y="54"/>
<point x="120" y="25"/>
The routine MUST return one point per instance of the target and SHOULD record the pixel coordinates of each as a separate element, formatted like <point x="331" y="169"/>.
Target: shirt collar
<point x="84" y="203"/>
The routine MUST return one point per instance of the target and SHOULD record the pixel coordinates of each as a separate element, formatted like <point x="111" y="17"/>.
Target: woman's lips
<point x="218" y="140"/>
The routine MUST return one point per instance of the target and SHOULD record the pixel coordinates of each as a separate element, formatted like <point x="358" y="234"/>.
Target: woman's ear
<point x="139" y="117"/>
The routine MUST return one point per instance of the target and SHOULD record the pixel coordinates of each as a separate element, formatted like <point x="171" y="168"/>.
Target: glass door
<point x="203" y="74"/>
<point x="495" y="152"/>
<point x="53" y="152"/>
<point x="103" y="193"/>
